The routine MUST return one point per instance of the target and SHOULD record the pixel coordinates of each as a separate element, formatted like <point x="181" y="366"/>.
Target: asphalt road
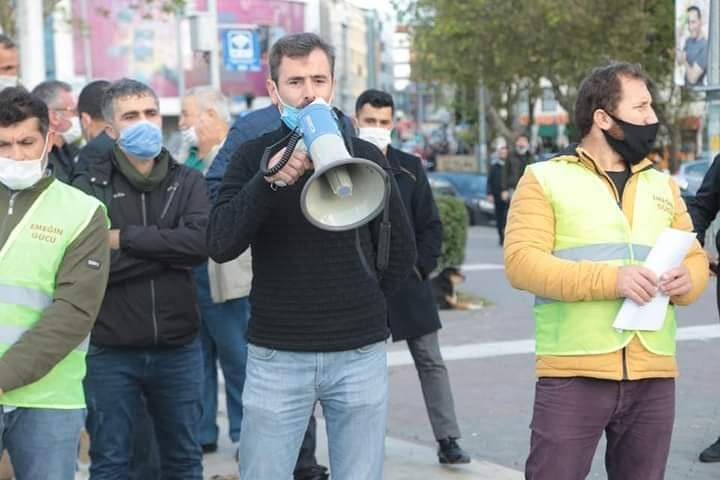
<point x="493" y="388"/>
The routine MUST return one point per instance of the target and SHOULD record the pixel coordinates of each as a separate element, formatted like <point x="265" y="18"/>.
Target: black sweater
<point x="312" y="290"/>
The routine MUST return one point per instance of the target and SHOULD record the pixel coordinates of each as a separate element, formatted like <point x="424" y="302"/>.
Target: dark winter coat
<point x="411" y="309"/>
<point x="61" y="162"/>
<point x="150" y="299"/>
<point x="496" y="182"/>
<point x="704" y="206"/>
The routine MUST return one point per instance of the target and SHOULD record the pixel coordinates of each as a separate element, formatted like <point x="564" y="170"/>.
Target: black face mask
<point x="638" y="141"/>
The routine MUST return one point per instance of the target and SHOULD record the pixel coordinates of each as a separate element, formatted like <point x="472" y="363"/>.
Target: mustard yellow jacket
<point x="531" y="266"/>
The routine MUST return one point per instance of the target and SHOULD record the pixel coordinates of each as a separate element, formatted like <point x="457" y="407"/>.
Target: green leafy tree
<point x="511" y="44"/>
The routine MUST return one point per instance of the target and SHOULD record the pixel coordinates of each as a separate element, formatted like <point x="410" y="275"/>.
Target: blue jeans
<point x="171" y="383"/>
<point x="223" y="338"/>
<point x="42" y="442"/>
<point x="280" y="393"/>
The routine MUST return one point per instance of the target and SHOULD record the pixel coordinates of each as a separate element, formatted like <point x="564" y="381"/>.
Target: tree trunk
<point x="500" y="126"/>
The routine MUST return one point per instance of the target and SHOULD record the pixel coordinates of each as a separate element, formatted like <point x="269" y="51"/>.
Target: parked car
<point x="440" y="186"/>
<point x="472" y="187"/>
<point x="690" y="174"/>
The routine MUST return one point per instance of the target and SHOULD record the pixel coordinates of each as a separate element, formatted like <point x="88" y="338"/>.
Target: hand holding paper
<point x="665" y="261"/>
<point x="676" y="282"/>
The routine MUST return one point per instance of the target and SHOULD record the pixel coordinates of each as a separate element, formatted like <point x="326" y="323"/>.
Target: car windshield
<point x="697" y="169"/>
<point x="468" y="185"/>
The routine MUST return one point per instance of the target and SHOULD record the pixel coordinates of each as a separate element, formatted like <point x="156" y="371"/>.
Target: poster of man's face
<point x="691" y="42"/>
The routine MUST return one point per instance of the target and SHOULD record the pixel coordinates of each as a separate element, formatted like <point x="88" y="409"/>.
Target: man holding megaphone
<point x="330" y="238"/>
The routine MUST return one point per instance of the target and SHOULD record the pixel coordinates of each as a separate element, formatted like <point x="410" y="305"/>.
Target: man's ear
<point x="272" y="91"/>
<point x="85" y="121"/>
<point x="111" y="132"/>
<point x="602" y="119"/>
<point x="355" y="123"/>
<point x="50" y="140"/>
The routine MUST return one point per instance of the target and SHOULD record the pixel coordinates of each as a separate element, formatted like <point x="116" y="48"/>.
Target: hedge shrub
<point x="454" y="217"/>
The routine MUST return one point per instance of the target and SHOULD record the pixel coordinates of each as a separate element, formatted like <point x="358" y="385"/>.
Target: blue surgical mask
<point x="289" y="114"/>
<point x="142" y="140"/>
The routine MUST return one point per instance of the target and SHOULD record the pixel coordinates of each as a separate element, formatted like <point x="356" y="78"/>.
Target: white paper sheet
<point x="669" y="251"/>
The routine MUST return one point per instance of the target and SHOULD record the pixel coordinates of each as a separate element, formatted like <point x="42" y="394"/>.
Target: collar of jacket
<point x="393" y="157"/>
<point x="584" y="158"/>
<point x="101" y="171"/>
<point x="393" y="160"/>
<point x="141" y="182"/>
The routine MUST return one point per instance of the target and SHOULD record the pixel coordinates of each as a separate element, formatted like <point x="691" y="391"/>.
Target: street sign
<point x="241" y="50"/>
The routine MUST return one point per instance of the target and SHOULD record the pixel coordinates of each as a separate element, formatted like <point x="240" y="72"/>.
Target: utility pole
<point x="30" y="29"/>
<point x="179" y="15"/>
<point x="215" y="47"/>
<point x="481" y="150"/>
<point x="713" y="77"/>
<point x="87" y="50"/>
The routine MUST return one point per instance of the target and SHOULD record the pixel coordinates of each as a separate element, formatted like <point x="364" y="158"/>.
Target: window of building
<point x="548" y="103"/>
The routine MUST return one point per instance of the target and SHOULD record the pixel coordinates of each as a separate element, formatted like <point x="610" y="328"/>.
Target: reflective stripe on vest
<point x="29" y="262"/>
<point x="25" y="296"/>
<point x="589" y="225"/>
<point x="599" y="252"/>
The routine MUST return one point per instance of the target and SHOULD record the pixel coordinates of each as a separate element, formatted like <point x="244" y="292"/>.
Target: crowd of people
<point x="128" y="275"/>
<point x="131" y="318"/>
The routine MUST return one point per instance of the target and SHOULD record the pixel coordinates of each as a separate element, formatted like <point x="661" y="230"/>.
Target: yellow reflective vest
<point x="29" y="261"/>
<point x="591" y="226"/>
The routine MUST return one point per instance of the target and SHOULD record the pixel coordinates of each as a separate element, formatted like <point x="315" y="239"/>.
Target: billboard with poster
<point x="691" y="42"/>
<point x="127" y="38"/>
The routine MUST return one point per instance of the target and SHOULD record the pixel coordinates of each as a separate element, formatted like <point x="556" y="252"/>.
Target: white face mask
<point x="8" y="81"/>
<point x="189" y="137"/>
<point x="74" y="133"/>
<point x="22" y="174"/>
<point x="380" y="137"/>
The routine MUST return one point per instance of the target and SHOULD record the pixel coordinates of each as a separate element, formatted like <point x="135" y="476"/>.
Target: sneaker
<point x="209" y="448"/>
<point x="451" y="453"/>
<point x="712" y="453"/>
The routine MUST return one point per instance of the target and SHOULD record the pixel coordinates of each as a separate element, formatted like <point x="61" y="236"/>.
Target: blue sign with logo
<point x="241" y="50"/>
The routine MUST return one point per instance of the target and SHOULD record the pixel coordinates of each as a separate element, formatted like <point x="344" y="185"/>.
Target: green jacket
<point x="80" y="283"/>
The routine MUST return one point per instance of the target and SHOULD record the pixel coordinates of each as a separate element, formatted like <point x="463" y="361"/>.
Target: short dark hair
<point x="297" y="46"/>
<point x="376" y="98"/>
<point x="90" y="99"/>
<point x="602" y="89"/>
<point x="125" y="87"/>
<point x="7" y="42"/>
<point x="17" y="105"/>
<point x="49" y="91"/>
<point x="693" y="8"/>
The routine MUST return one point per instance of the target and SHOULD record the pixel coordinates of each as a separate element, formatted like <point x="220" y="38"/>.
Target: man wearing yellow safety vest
<point x="54" y="263"/>
<point x="579" y="228"/>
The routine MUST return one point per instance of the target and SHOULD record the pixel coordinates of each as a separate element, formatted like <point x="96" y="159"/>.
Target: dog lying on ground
<point x="444" y="287"/>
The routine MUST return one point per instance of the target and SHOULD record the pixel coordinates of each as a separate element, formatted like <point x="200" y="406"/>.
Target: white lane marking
<point x="474" y="267"/>
<point x="516" y="347"/>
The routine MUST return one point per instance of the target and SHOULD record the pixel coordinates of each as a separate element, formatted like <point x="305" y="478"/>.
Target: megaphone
<point x="344" y="192"/>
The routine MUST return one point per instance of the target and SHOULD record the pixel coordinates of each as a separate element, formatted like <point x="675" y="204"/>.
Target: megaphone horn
<point x="343" y="192"/>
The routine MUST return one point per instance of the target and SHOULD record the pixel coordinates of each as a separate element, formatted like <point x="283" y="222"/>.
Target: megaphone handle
<point x="289" y="149"/>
